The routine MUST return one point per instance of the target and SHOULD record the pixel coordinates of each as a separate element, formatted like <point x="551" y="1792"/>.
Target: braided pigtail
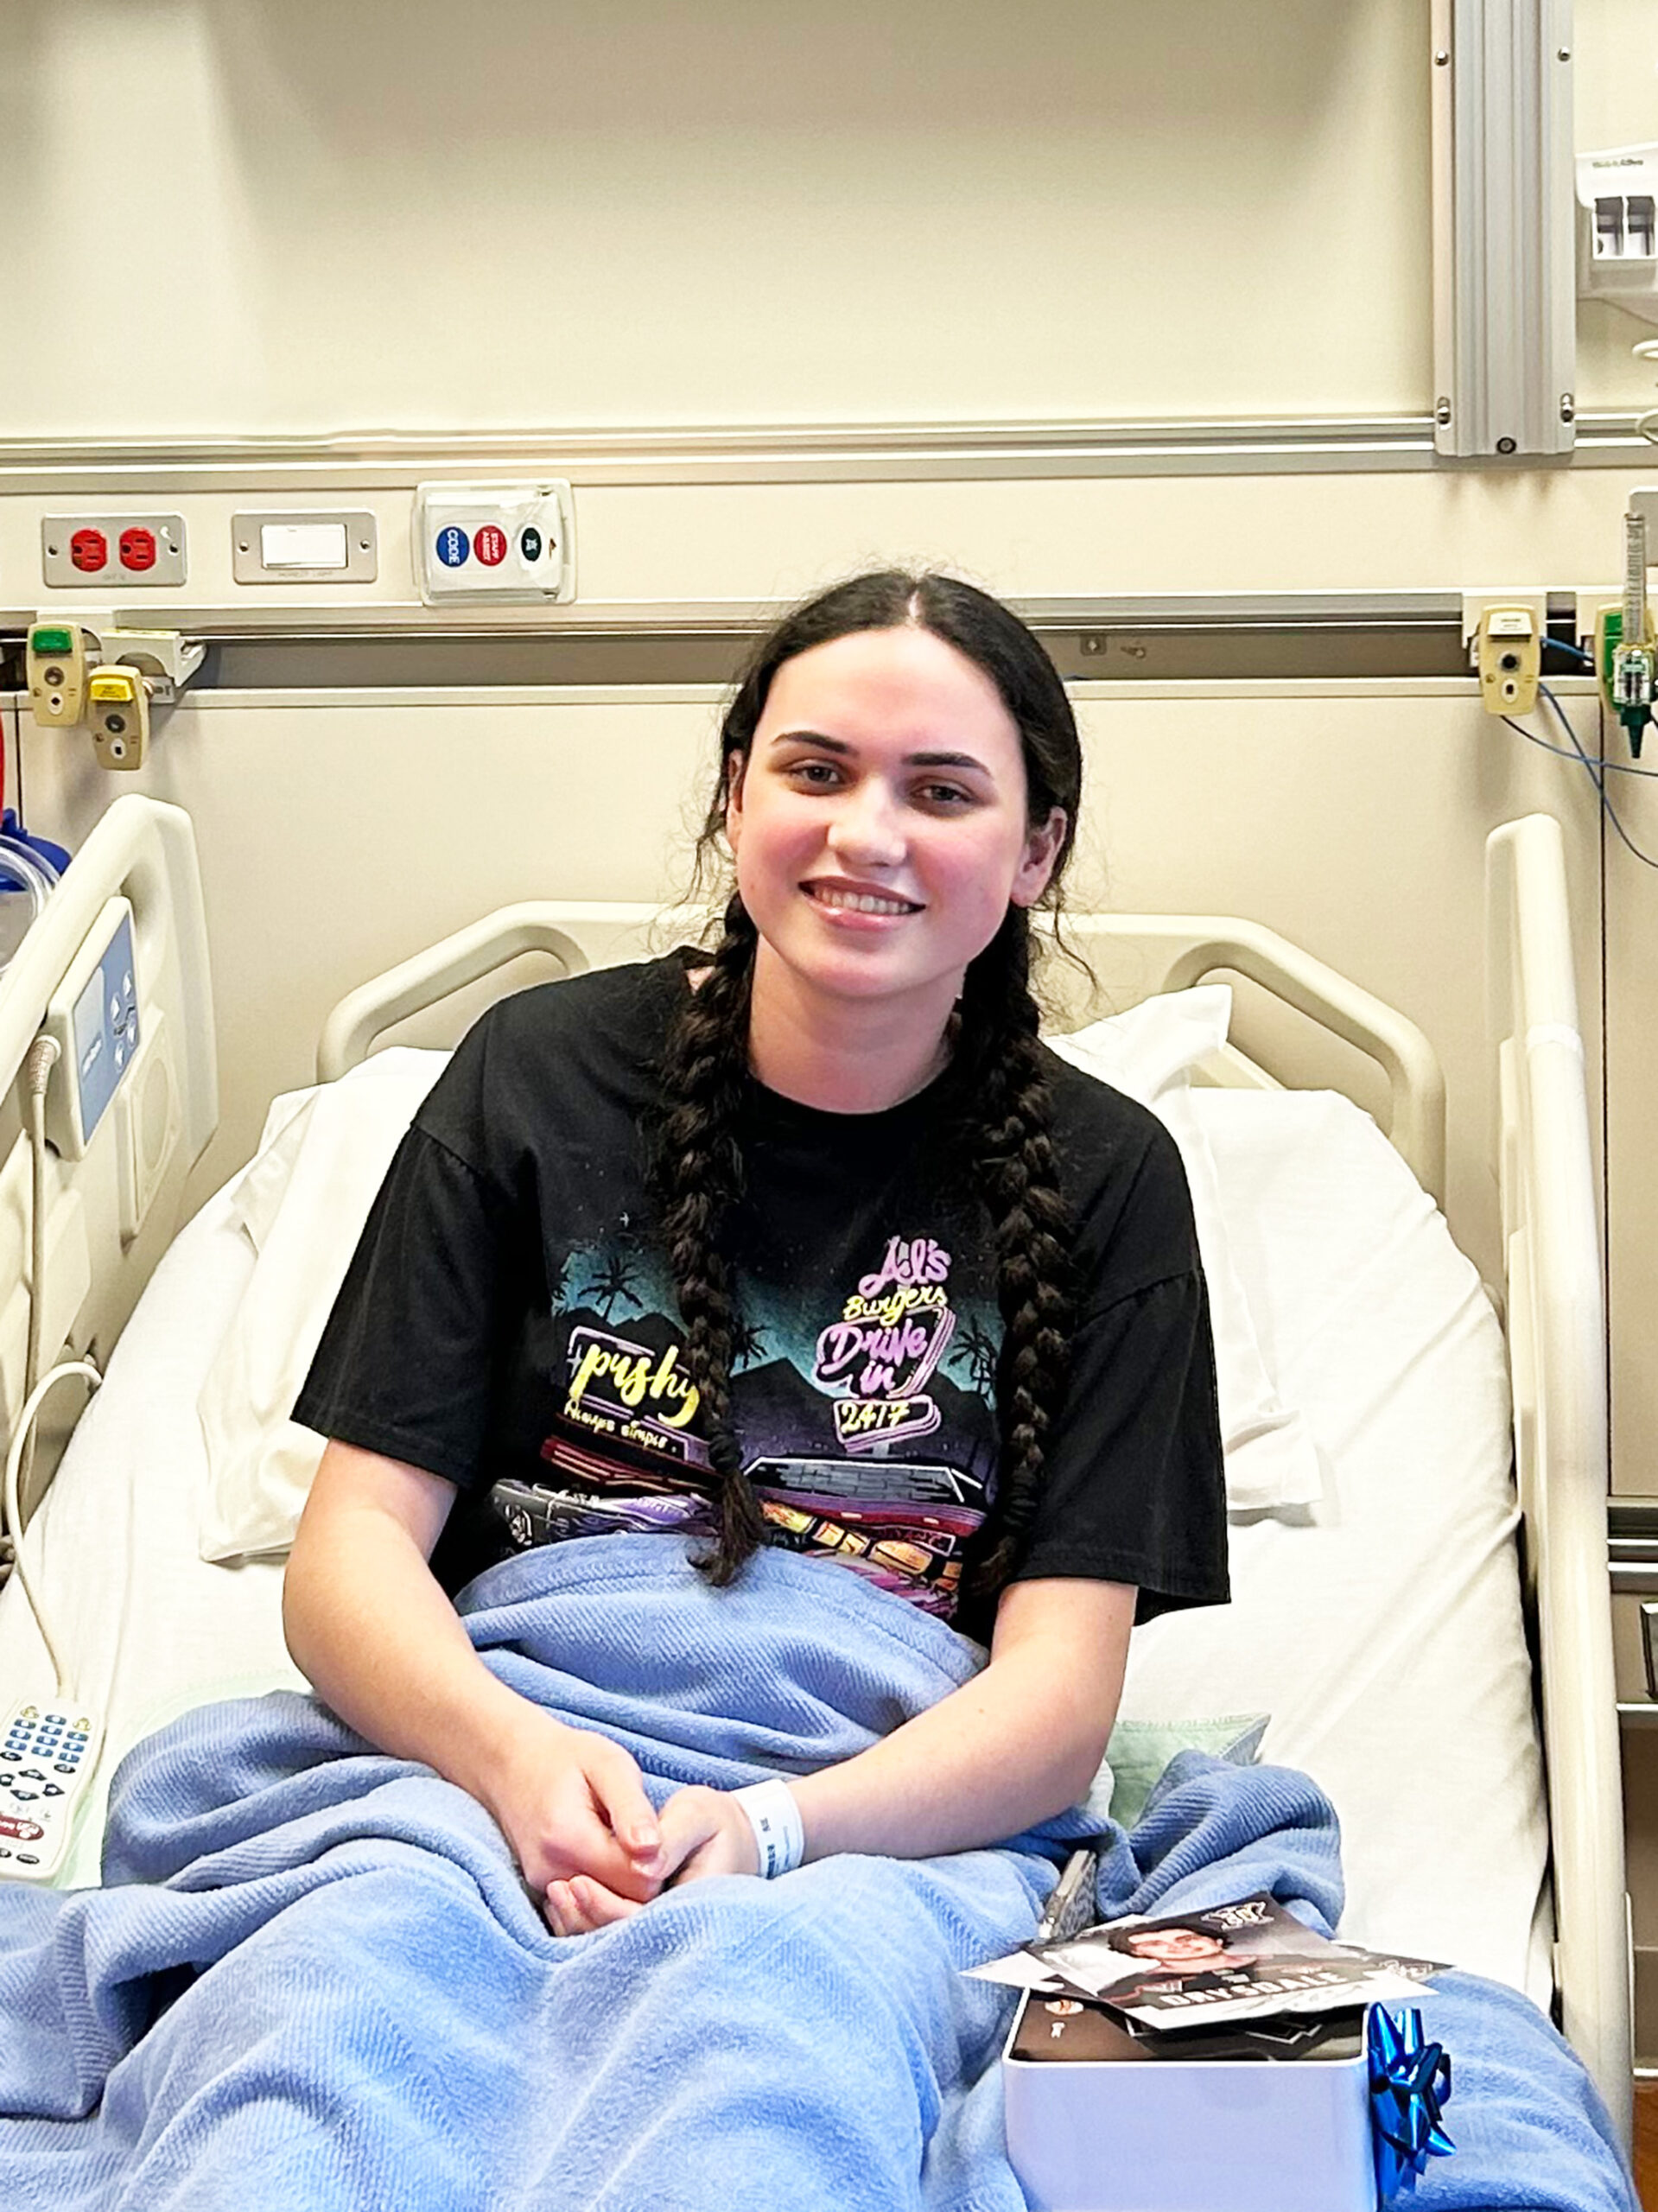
<point x="1009" y="1150"/>
<point x="696" y="1177"/>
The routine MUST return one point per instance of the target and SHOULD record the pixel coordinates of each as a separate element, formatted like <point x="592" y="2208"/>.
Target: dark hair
<point x="1004" y="1131"/>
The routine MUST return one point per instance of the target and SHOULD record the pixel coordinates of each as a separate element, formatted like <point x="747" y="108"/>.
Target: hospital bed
<point x="1419" y="1615"/>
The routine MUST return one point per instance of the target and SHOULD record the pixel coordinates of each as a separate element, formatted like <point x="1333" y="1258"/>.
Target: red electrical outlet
<point x="139" y="548"/>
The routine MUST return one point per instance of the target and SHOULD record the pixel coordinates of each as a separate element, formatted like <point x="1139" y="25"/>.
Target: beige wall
<point x="408" y="212"/>
<point x="246" y="216"/>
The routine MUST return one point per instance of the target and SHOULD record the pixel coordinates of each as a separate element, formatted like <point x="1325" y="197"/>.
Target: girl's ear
<point x="736" y="767"/>
<point x="1042" y="849"/>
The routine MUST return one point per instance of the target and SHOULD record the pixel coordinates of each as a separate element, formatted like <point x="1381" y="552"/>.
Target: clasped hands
<point x="572" y="1806"/>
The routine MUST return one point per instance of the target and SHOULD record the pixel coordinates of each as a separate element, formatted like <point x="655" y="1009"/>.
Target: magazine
<point x="1247" y="1959"/>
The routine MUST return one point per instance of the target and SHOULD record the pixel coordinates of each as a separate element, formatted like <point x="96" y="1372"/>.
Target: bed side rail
<point x="578" y="937"/>
<point x="1170" y="952"/>
<point x="112" y="1192"/>
<point x="1557" y="1356"/>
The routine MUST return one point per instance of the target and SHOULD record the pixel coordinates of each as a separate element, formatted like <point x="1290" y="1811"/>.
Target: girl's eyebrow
<point x="910" y="759"/>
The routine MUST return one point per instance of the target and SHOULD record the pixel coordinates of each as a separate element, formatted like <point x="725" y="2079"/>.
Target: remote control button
<point x="61" y="1767"/>
<point x="53" y="1790"/>
<point x="27" y="1859"/>
<point x="25" y="1796"/>
<point x="31" y="1774"/>
<point x="5" y="1852"/>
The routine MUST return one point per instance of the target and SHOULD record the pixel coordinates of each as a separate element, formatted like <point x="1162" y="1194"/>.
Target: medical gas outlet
<point x="1508" y="654"/>
<point x="55" y="662"/>
<point x="1504" y="633"/>
<point x="509" y="543"/>
<point x="118" y="713"/>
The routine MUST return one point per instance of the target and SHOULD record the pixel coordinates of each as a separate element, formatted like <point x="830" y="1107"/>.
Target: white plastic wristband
<point x="775" y="1818"/>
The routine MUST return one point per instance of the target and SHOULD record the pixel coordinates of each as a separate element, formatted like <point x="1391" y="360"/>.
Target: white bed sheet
<point x="149" y="1628"/>
<point x="1384" y="1636"/>
<point x="1383" y="1632"/>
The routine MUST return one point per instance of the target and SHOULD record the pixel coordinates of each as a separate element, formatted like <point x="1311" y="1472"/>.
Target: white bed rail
<point x="1557" y="1357"/>
<point x="1171" y="952"/>
<point x="577" y="937"/>
<point x="111" y="1199"/>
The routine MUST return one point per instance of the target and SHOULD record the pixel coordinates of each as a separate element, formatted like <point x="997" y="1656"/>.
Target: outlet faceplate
<point x="132" y="551"/>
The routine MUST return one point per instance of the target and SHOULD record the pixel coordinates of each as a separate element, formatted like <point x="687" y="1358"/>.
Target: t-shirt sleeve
<point x="410" y="1358"/>
<point x="1136" y="1487"/>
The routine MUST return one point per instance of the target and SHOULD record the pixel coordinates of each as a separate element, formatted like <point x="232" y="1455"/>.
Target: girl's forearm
<point x="992" y="1758"/>
<point x="372" y="1632"/>
<point x="1020" y="1743"/>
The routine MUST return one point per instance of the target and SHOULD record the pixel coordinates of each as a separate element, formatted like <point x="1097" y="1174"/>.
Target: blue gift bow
<point x="1410" y="2083"/>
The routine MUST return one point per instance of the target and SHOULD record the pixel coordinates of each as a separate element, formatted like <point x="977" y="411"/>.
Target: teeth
<point x="860" y="902"/>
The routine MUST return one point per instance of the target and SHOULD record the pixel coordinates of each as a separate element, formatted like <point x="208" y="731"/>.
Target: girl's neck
<point x="843" y="1056"/>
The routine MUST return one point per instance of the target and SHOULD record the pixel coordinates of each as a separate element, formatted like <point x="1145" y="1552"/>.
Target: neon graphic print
<point x="829" y="1415"/>
<point x="892" y="1333"/>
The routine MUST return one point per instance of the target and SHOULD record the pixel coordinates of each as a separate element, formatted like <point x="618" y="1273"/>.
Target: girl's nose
<point x="868" y="828"/>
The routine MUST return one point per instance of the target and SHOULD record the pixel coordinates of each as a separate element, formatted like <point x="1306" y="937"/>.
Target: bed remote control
<point x="47" y="1753"/>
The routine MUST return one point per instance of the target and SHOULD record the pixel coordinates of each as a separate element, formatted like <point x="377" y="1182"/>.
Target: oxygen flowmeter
<point x="1626" y="643"/>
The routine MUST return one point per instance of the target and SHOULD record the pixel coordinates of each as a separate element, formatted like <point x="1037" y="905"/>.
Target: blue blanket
<point x="314" y="1980"/>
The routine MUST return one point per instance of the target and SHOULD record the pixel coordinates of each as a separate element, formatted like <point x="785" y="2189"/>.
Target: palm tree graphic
<point x="614" y="1283"/>
<point x="982" y="1353"/>
<point x="747" y="1344"/>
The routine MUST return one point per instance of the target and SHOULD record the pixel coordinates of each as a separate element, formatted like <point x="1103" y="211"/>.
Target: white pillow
<point x="1147" y="1053"/>
<point x="304" y="1197"/>
<point x="301" y="1202"/>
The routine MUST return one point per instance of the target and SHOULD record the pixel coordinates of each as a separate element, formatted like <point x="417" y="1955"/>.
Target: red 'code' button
<point x="137" y="548"/>
<point x="489" y="544"/>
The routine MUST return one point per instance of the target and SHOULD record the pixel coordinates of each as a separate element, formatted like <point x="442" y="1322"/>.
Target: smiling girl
<point x="804" y="1240"/>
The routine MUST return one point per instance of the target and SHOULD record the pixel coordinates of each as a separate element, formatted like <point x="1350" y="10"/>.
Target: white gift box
<point x="1100" y="2120"/>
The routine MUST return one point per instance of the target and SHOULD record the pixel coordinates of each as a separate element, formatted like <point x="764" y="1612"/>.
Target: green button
<point x="46" y="639"/>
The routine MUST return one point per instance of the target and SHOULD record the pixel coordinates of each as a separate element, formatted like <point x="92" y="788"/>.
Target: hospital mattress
<point x="1380" y="1627"/>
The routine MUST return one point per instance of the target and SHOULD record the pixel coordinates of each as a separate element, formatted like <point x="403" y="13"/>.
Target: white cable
<point x="21" y="1435"/>
<point x="42" y="1058"/>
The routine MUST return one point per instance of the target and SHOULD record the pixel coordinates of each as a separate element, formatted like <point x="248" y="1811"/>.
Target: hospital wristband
<point x="778" y="1832"/>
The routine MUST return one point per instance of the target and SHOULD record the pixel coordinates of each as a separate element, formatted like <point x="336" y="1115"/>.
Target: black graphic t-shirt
<point x="509" y="1323"/>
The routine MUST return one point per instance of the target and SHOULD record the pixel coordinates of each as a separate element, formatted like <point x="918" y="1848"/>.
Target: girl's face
<point x="880" y="822"/>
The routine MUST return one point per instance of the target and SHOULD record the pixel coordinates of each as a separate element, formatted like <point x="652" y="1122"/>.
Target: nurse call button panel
<point x="510" y="543"/>
<point x="96" y="1018"/>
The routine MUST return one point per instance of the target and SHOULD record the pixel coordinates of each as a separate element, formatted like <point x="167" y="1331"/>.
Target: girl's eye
<point x="944" y="795"/>
<point x="819" y="775"/>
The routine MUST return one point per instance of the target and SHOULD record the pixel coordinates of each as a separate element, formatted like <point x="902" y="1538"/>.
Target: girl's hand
<point x="703" y="1832"/>
<point x="572" y="1803"/>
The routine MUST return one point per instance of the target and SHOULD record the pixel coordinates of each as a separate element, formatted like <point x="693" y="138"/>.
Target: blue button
<point x="452" y="546"/>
